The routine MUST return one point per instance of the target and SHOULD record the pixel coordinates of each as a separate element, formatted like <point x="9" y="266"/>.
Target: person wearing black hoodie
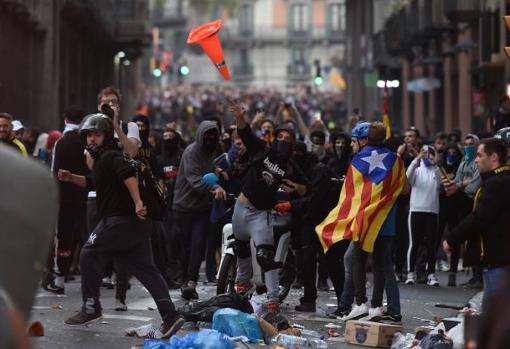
<point x="168" y="162"/>
<point x="313" y="208"/>
<point x="271" y="169"/>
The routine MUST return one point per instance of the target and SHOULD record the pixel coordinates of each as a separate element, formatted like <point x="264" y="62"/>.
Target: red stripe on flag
<point x="386" y="186"/>
<point x="343" y="212"/>
<point x="366" y="198"/>
<point x="388" y="191"/>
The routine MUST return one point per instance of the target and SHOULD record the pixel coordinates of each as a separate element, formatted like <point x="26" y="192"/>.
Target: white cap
<point x="16" y="125"/>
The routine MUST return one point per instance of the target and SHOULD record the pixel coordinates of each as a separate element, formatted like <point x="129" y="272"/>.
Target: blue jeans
<point x="348" y="293"/>
<point x="492" y="279"/>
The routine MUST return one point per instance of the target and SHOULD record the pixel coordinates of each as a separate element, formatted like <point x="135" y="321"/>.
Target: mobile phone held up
<point x="107" y="110"/>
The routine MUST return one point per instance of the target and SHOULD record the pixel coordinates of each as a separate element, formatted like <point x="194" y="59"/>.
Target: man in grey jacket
<point x="467" y="183"/>
<point x="192" y="203"/>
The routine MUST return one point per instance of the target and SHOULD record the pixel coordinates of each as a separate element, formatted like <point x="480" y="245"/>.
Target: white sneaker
<point x="432" y="280"/>
<point x="411" y="278"/>
<point x="357" y="312"/>
<point x="120" y="306"/>
<point x="373" y="313"/>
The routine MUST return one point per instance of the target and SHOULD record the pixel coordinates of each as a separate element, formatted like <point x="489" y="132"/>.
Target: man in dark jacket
<point x="122" y="231"/>
<point x="271" y="169"/>
<point x="72" y="216"/>
<point x="192" y="202"/>
<point x="489" y="218"/>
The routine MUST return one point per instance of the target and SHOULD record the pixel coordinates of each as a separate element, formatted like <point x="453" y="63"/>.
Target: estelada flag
<point x="373" y="182"/>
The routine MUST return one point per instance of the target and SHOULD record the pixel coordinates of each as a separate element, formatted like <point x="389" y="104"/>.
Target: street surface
<point x="417" y="303"/>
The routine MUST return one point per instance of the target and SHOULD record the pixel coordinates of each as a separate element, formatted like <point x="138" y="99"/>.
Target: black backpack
<point x="150" y="192"/>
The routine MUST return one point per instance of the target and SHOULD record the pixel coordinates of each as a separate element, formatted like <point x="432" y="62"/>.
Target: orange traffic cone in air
<point x="206" y="36"/>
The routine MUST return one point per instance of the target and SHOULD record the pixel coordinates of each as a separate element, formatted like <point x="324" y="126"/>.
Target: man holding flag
<point x="374" y="180"/>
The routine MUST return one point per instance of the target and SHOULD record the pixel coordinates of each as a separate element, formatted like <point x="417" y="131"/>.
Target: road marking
<point x="127" y="317"/>
<point x="142" y="304"/>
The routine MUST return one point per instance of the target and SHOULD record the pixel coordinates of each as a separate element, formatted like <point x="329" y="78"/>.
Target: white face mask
<point x="319" y="150"/>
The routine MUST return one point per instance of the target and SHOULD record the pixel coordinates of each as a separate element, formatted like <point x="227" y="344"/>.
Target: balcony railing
<point x="298" y="71"/>
<point x="242" y="72"/>
<point x="462" y="10"/>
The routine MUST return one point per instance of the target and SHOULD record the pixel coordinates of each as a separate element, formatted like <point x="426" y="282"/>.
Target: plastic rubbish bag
<point x="401" y="341"/>
<point x="293" y="342"/>
<point x="436" y="341"/>
<point x="233" y="323"/>
<point x="205" y="339"/>
<point x="204" y="310"/>
<point x="457" y="336"/>
<point x="155" y="344"/>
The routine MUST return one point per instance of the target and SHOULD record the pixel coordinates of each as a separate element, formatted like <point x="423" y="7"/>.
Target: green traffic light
<point x="156" y="72"/>
<point x="184" y="70"/>
<point x="318" y="80"/>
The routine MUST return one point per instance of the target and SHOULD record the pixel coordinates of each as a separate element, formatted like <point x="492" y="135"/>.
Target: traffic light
<point x="156" y="72"/>
<point x="318" y="73"/>
<point x="183" y="70"/>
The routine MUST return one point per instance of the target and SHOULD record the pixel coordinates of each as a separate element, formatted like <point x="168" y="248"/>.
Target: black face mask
<point x="210" y="143"/>
<point x="281" y="149"/>
<point x="171" y="143"/>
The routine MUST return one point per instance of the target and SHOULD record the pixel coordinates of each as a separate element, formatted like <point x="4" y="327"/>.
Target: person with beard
<point x="192" y="203"/>
<point x="270" y="170"/>
<point x="169" y="161"/>
<point x="123" y="231"/>
<point x="313" y="208"/>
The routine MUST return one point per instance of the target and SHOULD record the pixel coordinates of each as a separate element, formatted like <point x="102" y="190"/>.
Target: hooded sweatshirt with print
<point x="191" y="192"/>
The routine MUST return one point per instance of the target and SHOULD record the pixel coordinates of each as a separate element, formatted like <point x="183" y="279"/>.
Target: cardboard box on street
<point x="371" y="334"/>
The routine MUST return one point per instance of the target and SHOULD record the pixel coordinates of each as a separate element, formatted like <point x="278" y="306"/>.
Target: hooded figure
<point x="452" y="157"/>
<point x="342" y="152"/>
<point x="144" y="125"/>
<point x="191" y="192"/>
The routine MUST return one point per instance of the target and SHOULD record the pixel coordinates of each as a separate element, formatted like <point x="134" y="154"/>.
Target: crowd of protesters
<point x="447" y="214"/>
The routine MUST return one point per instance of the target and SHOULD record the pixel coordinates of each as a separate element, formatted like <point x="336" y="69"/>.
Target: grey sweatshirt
<point x="470" y="172"/>
<point x="191" y="192"/>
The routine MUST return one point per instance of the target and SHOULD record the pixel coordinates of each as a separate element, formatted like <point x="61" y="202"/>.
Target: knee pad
<point x="265" y="258"/>
<point x="242" y="248"/>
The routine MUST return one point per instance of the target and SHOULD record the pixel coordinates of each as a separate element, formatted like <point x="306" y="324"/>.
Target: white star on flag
<point x="375" y="160"/>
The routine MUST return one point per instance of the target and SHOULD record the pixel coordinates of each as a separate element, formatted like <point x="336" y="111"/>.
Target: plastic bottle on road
<point x="292" y="342"/>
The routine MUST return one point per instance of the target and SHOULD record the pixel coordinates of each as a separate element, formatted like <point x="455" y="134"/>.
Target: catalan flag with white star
<point x="373" y="182"/>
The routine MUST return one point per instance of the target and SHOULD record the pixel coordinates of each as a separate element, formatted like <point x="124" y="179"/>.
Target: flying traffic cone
<point x="206" y="36"/>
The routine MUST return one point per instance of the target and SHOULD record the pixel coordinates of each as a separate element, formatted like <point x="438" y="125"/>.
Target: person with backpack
<point x="123" y="230"/>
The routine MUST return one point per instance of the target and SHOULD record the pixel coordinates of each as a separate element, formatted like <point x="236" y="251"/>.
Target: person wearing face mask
<point x="192" y="202"/>
<point x="318" y="148"/>
<point x="271" y="169"/>
<point x="425" y="180"/>
<point x="448" y="213"/>
<point x="168" y="162"/>
<point x="467" y="181"/>
<point x="342" y="151"/>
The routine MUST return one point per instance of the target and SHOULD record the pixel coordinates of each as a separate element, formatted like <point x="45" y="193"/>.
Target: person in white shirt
<point x="424" y="178"/>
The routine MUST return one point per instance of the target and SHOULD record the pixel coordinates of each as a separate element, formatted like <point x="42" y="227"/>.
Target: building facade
<point x="265" y="42"/>
<point x="60" y="52"/>
<point x="447" y="55"/>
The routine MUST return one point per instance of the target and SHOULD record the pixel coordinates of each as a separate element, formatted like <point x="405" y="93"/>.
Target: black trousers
<point x="422" y="232"/>
<point x="71" y="230"/>
<point x="192" y="230"/>
<point x="127" y="239"/>
<point x="311" y="249"/>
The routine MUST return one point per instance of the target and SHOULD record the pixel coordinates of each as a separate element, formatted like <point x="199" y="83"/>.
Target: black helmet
<point x="504" y="135"/>
<point x="97" y="122"/>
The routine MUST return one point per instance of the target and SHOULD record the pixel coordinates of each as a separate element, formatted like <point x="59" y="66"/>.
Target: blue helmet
<point x="360" y="130"/>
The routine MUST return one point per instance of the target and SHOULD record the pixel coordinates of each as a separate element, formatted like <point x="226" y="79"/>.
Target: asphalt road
<point x="418" y="302"/>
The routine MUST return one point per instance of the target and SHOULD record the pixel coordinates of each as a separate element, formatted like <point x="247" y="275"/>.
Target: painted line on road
<point x="127" y="317"/>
